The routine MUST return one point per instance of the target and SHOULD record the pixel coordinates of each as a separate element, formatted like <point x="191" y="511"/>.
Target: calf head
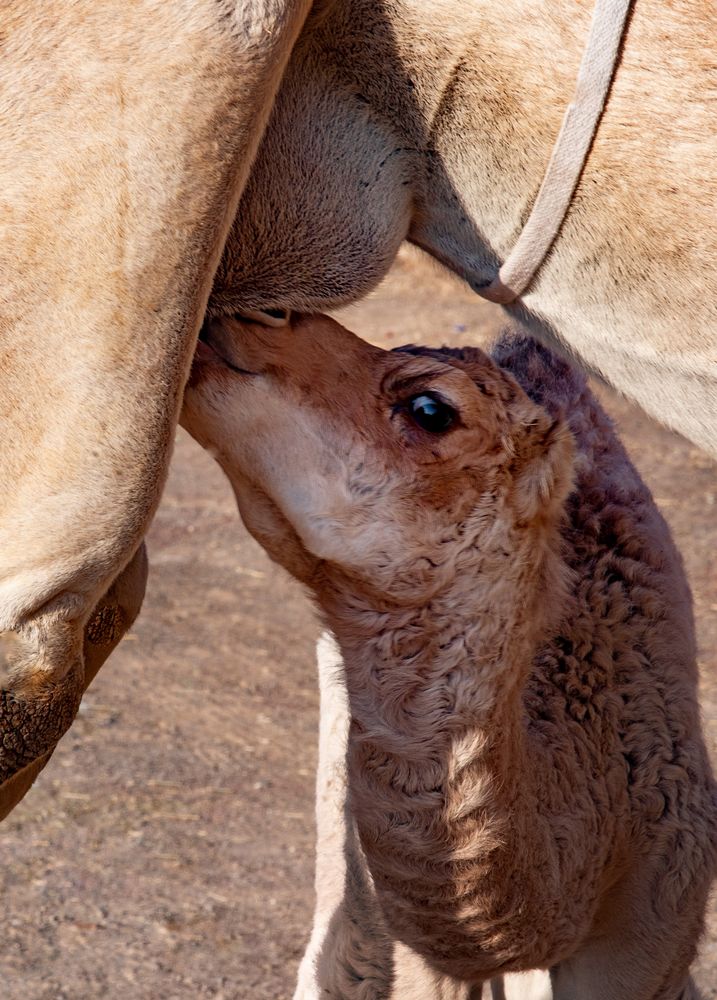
<point x="373" y="471"/>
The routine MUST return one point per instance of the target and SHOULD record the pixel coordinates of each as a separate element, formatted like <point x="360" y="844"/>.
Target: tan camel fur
<point x="127" y="136"/>
<point x="525" y="767"/>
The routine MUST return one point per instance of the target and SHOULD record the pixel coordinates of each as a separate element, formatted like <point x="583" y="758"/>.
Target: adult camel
<point x="128" y="135"/>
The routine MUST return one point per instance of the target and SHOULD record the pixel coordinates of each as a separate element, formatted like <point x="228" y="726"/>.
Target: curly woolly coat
<point x="525" y="767"/>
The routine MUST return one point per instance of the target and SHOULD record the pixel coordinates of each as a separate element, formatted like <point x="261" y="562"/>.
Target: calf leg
<point x="640" y="951"/>
<point x="593" y="976"/>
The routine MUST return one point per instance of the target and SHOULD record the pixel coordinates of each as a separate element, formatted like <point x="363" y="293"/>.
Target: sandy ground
<point x="166" y="852"/>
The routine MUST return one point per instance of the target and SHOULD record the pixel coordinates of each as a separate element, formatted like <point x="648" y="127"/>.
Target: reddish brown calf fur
<point x="526" y="767"/>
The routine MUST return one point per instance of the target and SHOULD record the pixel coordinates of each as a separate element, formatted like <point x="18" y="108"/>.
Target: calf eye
<point x="430" y="413"/>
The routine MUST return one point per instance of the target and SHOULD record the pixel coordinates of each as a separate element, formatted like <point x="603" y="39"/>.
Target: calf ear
<point x="543" y="467"/>
<point x="543" y="447"/>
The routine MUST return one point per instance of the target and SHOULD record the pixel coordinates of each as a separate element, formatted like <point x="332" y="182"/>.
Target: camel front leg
<point x="127" y="134"/>
<point x="113" y="615"/>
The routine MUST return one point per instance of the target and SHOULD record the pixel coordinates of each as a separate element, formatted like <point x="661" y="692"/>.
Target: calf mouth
<point x="210" y="349"/>
<point x="267" y="317"/>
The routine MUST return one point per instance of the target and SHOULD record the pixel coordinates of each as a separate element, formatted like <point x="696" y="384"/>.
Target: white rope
<point x="568" y="156"/>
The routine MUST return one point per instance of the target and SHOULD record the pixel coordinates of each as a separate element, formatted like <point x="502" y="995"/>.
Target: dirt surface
<point x="166" y="851"/>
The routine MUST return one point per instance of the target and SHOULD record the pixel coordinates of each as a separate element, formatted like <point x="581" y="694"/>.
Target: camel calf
<point x="526" y="769"/>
